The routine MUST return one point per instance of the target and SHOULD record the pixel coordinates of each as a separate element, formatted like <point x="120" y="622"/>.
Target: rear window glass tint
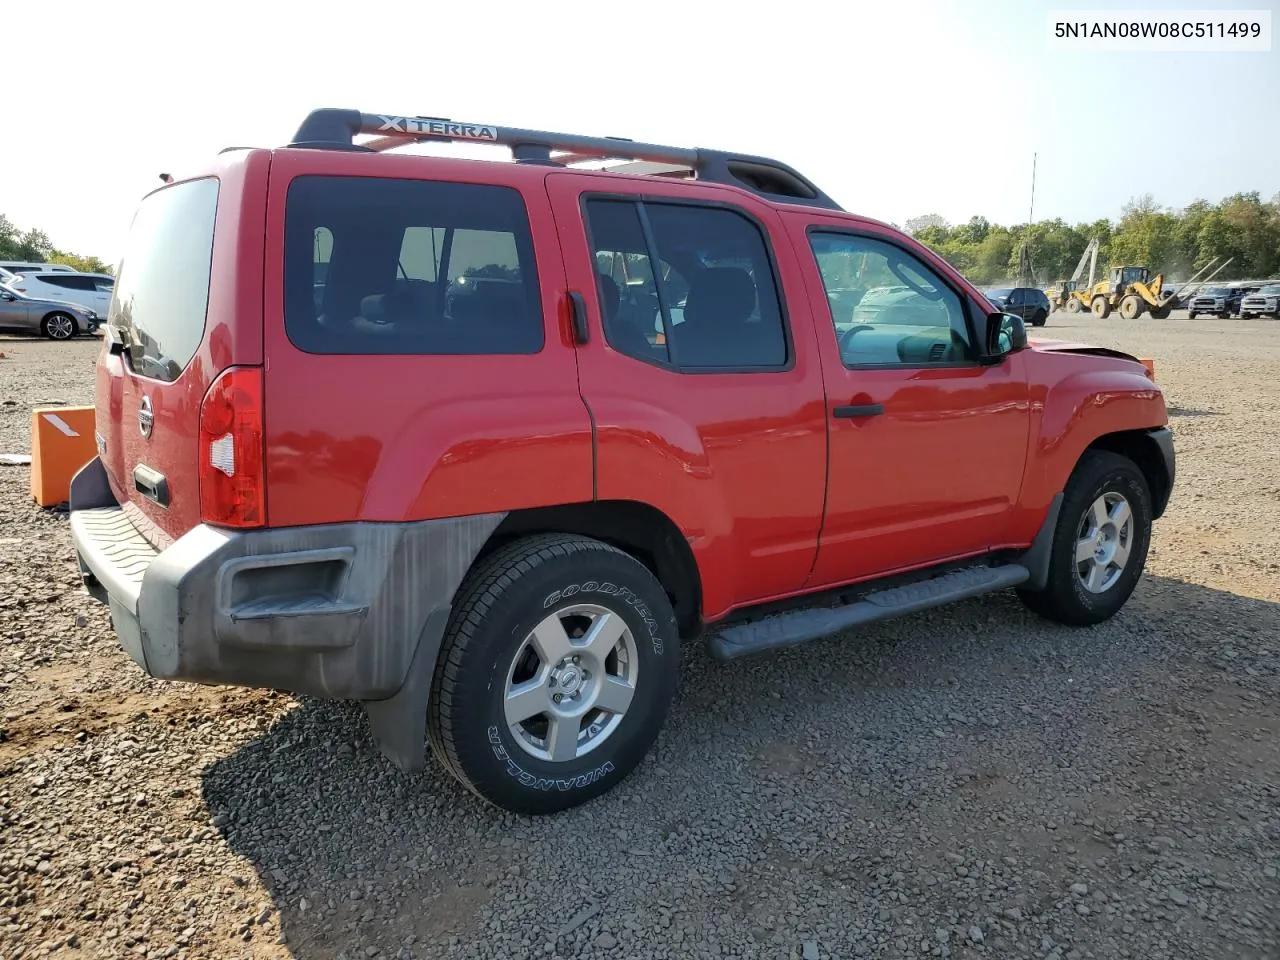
<point x="384" y="266"/>
<point x="162" y="288"/>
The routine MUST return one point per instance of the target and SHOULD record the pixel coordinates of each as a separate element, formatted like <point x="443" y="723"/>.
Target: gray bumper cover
<point x="343" y="611"/>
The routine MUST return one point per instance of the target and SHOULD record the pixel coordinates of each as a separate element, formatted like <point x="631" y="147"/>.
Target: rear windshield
<point x="383" y="266"/>
<point x="162" y="288"/>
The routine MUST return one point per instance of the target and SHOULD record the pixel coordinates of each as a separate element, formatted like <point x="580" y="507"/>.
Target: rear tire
<point x="59" y="326"/>
<point x="1100" y="543"/>
<point x="1074" y="305"/>
<point x="1038" y="318"/>
<point x="520" y="636"/>
<point x="1161" y="313"/>
<point x="1101" y="307"/>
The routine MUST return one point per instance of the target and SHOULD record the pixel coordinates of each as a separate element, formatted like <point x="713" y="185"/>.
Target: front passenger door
<point x="927" y="446"/>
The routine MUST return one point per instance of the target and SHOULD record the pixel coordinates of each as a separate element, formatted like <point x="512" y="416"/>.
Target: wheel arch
<point x="639" y="529"/>
<point x="1144" y="449"/>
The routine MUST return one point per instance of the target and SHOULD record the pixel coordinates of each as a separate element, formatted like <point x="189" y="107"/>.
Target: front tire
<point x="1100" y="543"/>
<point x="1038" y="318"/>
<point x="556" y="673"/>
<point x="1074" y="305"/>
<point x="1101" y="308"/>
<point x="1131" y="307"/>
<point x="59" y="326"/>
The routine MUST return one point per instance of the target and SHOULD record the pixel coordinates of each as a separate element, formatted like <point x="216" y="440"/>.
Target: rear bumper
<point x="336" y="611"/>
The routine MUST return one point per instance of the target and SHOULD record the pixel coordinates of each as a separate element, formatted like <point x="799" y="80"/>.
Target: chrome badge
<point x="146" y="418"/>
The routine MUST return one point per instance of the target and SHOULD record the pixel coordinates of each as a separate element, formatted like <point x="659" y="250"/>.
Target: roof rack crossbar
<point x="337" y="130"/>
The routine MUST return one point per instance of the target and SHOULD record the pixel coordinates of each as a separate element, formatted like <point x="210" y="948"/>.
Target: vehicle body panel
<point x="411" y="437"/>
<point x="1076" y="398"/>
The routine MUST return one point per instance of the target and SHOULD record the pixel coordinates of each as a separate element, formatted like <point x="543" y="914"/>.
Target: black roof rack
<point x="333" y="129"/>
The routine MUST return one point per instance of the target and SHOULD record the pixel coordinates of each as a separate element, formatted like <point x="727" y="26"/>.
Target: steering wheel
<point x="848" y="334"/>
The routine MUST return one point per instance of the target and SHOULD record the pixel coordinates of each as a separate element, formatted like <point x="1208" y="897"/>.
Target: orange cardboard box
<point x="61" y="443"/>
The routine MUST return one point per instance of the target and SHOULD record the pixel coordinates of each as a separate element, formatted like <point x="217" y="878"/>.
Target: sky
<point x="893" y="108"/>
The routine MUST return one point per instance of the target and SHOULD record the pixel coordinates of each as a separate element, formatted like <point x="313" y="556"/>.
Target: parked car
<point x="56" y="319"/>
<point x="8" y="268"/>
<point x="1222" y="302"/>
<point x="91" y="290"/>
<point x="1030" y="304"/>
<point x="1263" y="302"/>
<point x="503" y="512"/>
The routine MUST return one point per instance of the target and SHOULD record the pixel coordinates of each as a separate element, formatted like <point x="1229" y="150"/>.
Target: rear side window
<point x="70" y="281"/>
<point x="162" y="289"/>
<point x="381" y="266"/>
<point x="686" y="285"/>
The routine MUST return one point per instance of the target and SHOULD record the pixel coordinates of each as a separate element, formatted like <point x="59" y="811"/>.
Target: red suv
<point x="481" y="443"/>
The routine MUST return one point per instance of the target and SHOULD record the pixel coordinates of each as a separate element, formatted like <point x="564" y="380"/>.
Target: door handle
<point x="151" y="484"/>
<point x="853" y="411"/>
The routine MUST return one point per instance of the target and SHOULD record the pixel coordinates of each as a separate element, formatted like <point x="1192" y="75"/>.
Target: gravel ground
<point x="970" y="782"/>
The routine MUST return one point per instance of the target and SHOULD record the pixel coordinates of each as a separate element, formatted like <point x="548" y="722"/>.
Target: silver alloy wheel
<point x="570" y="683"/>
<point x="60" y="326"/>
<point x="1103" y="542"/>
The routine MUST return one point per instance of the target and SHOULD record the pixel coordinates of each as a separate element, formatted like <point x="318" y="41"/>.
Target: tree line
<point x="1177" y="243"/>
<point x="34" y="245"/>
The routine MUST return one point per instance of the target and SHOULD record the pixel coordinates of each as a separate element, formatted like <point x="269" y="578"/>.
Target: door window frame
<point x="966" y="304"/>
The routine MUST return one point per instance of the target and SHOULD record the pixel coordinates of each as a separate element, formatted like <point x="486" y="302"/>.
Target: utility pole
<point x="1026" y="270"/>
<point x="1031" y="212"/>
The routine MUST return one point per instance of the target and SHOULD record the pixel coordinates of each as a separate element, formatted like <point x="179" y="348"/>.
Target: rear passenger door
<point x="418" y="365"/>
<point x="701" y="373"/>
<point x="1018" y="303"/>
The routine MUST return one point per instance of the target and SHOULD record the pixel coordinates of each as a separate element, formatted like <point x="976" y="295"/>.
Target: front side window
<point x="380" y="266"/>
<point x="888" y="308"/>
<point x="686" y="285"/>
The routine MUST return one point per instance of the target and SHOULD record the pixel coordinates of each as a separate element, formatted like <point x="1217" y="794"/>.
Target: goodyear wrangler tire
<point x="556" y="673"/>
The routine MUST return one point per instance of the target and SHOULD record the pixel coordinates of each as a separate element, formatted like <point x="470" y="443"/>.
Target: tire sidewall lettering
<point x="534" y="782"/>
<point x="609" y="589"/>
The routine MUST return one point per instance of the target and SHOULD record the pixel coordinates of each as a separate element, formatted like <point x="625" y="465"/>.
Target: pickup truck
<point x="481" y="444"/>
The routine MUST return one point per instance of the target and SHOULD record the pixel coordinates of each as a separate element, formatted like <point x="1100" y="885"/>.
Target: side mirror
<point x="1005" y="334"/>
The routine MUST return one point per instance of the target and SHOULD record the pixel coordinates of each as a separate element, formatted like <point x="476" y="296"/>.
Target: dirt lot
<point x="970" y="782"/>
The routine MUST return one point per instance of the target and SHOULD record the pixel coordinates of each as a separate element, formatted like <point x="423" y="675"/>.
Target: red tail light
<point x="232" y="480"/>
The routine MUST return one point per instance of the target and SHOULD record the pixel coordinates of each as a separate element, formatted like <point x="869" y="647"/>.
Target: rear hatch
<point x="185" y="309"/>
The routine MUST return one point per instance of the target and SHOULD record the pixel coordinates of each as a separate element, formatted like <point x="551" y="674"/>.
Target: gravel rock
<point x="1024" y="789"/>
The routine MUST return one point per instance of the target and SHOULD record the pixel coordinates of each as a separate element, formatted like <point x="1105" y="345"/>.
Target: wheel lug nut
<point x="576" y="658"/>
<point x="558" y="697"/>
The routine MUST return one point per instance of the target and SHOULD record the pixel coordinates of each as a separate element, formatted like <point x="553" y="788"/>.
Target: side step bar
<point x="799" y="626"/>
